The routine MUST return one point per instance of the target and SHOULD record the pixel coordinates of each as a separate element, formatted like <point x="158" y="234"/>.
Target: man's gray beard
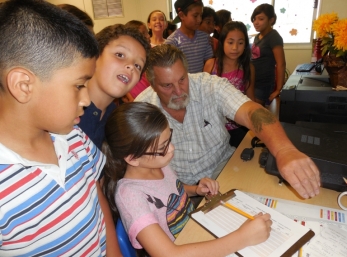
<point x="179" y="106"/>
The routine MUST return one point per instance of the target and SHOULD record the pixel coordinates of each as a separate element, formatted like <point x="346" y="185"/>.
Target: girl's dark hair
<point x="267" y="9"/>
<point x="223" y="17"/>
<point x="83" y="16"/>
<point x="244" y="59"/>
<point x="131" y="130"/>
<point x="209" y="12"/>
<point x="149" y="19"/>
<point x="170" y="26"/>
<point x="135" y="24"/>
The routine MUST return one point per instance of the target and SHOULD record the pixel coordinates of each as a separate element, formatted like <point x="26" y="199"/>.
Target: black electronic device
<point x="311" y="98"/>
<point x="327" y="149"/>
<point x="247" y="154"/>
<point x="306" y="67"/>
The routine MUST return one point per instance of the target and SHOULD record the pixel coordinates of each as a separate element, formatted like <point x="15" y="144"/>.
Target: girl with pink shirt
<point x="146" y="194"/>
<point x="233" y="62"/>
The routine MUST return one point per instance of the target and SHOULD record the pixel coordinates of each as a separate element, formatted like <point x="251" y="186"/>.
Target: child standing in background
<point x="140" y="26"/>
<point x="267" y="55"/>
<point x="156" y="23"/>
<point x="209" y="21"/>
<point x="195" y="44"/>
<point x="49" y="167"/>
<point x="152" y="202"/>
<point x="233" y="62"/>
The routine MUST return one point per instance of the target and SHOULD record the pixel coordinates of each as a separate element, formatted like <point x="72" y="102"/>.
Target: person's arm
<point x="206" y="185"/>
<point x="295" y="167"/>
<point x="112" y="247"/>
<point x="209" y="65"/>
<point x="250" y="233"/>
<point x="280" y="70"/>
<point x="250" y="88"/>
<point x="128" y="98"/>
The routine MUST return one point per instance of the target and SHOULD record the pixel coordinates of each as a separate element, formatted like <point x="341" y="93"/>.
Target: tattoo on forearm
<point x="261" y="117"/>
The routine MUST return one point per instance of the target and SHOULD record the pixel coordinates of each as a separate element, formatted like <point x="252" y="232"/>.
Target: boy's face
<point x="118" y="68"/>
<point x="207" y="25"/>
<point x="192" y="20"/>
<point x="62" y="97"/>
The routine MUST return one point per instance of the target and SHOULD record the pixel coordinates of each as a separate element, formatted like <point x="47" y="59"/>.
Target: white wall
<point x="132" y="10"/>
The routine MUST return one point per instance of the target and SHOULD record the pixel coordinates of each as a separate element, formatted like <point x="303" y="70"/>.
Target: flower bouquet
<point x="333" y="32"/>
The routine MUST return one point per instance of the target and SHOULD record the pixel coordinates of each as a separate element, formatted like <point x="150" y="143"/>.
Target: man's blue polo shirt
<point x="92" y="125"/>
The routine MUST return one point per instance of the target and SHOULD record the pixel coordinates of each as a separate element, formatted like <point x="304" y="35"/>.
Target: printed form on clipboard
<point x="286" y="236"/>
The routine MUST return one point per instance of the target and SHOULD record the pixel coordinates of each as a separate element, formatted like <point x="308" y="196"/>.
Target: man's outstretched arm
<point x="295" y="167"/>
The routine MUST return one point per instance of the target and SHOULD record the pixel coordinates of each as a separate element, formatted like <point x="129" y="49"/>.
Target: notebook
<point x="286" y="237"/>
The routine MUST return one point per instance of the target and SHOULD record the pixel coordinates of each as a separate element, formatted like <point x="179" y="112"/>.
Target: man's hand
<point x="299" y="171"/>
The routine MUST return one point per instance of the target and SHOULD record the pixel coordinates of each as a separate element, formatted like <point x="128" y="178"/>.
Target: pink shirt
<point x="145" y="202"/>
<point x="140" y="86"/>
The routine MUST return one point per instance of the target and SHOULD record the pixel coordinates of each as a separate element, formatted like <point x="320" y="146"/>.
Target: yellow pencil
<point x="231" y="207"/>
<point x="300" y="252"/>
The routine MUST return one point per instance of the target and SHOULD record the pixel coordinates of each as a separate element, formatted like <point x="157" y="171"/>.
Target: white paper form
<point x="221" y="221"/>
<point x="328" y="241"/>
<point x="329" y="225"/>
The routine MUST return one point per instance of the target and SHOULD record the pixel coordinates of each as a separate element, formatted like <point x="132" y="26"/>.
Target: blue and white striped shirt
<point x="197" y="49"/>
<point x="50" y="210"/>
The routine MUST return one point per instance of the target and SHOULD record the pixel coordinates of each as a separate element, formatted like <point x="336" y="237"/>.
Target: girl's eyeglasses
<point x="164" y="152"/>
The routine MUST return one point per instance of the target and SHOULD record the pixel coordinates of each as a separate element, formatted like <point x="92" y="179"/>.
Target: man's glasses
<point x="164" y="152"/>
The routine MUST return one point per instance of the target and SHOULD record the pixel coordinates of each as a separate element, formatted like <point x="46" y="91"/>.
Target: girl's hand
<point x="256" y="231"/>
<point x="207" y="185"/>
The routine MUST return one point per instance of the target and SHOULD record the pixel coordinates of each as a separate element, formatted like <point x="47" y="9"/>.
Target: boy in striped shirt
<point x="194" y="43"/>
<point x="48" y="167"/>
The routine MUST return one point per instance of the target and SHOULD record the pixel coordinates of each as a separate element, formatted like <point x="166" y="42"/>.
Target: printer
<point x="311" y="98"/>
<point x="326" y="146"/>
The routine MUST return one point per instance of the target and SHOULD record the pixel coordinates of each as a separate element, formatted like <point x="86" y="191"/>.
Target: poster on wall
<point x="107" y="8"/>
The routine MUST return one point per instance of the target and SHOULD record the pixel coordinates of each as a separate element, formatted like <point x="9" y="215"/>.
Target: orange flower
<point x="323" y="24"/>
<point x="333" y="33"/>
<point x="339" y="30"/>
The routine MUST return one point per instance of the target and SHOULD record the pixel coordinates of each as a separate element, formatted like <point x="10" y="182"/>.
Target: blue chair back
<point x="123" y="240"/>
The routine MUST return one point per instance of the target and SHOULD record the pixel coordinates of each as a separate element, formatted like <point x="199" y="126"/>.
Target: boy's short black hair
<point x="110" y="33"/>
<point x="41" y="37"/>
<point x="209" y="12"/>
<point x="184" y="6"/>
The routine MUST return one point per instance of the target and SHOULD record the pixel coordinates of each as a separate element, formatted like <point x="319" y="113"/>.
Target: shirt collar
<point x="8" y="156"/>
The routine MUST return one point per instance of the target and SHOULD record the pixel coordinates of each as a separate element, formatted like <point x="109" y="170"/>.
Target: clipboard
<point x="213" y="202"/>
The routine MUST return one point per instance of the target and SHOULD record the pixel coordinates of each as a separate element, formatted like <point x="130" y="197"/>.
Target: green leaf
<point x="339" y="53"/>
<point x="324" y="49"/>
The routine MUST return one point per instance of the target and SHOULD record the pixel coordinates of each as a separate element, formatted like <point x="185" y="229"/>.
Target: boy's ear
<point x="131" y="160"/>
<point x="181" y="15"/>
<point x="20" y="84"/>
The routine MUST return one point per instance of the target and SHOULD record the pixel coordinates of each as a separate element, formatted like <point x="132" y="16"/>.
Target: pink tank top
<point x="235" y="77"/>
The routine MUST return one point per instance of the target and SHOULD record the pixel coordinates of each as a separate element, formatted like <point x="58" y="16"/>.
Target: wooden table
<point x="250" y="177"/>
